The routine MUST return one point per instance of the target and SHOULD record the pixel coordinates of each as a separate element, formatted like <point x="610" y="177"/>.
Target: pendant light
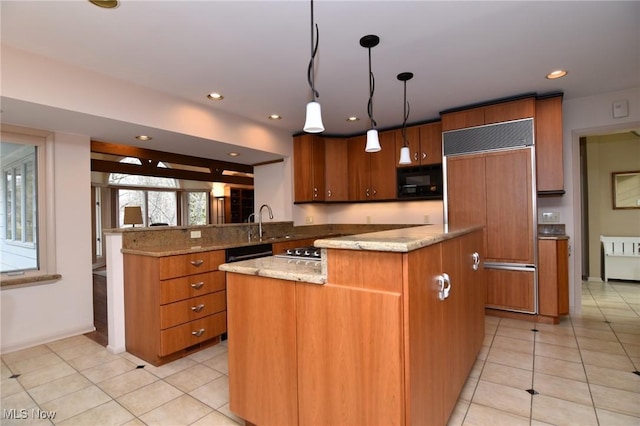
<point x="373" y="143"/>
<point x="405" y="154"/>
<point x="313" y="122"/>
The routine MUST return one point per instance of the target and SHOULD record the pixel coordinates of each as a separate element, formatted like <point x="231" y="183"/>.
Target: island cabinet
<point x="425" y="144"/>
<point x="308" y="168"/>
<point x="174" y="305"/>
<point x="372" y="175"/>
<point x="553" y="277"/>
<point x="389" y="339"/>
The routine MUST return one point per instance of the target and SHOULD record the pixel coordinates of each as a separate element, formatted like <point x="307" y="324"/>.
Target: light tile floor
<point x="583" y="371"/>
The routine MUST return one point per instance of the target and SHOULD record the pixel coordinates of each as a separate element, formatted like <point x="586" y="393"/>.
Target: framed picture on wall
<point x="626" y="190"/>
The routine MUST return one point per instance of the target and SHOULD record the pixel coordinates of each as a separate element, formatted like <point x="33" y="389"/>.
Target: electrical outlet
<point x="426" y="218"/>
<point x="550" y="217"/>
<point x="368" y="219"/>
<point x="309" y="219"/>
<point x="196" y="234"/>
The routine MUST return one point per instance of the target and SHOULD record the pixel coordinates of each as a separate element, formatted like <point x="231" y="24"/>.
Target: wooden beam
<point x="151" y="169"/>
<point x="167" y="157"/>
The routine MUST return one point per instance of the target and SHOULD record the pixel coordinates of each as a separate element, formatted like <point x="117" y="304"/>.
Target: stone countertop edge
<point x="396" y="240"/>
<point x="279" y="268"/>
<point x="553" y="237"/>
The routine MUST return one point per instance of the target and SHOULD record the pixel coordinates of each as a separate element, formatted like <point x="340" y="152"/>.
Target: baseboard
<point x="594" y="279"/>
<point x="26" y="344"/>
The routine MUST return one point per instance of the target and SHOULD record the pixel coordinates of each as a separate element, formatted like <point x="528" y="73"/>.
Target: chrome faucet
<point x="249" y="223"/>
<point x="260" y="218"/>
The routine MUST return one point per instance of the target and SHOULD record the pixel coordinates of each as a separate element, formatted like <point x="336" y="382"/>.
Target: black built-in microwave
<point x="420" y="182"/>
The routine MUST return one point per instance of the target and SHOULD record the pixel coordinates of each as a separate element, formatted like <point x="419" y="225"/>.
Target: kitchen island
<point x="383" y="329"/>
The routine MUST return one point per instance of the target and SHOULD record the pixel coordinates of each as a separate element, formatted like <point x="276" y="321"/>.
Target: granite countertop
<point x="310" y="271"/>
<point x="159" y="251"/>
<point x="395" y="240"/>
<point x="315" y="272"/>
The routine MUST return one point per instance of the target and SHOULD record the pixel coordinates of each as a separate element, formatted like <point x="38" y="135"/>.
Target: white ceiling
<point x="256" y="53"/>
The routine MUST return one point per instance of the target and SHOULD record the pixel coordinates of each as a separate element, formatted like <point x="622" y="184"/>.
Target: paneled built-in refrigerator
<point x="489" y="181"/>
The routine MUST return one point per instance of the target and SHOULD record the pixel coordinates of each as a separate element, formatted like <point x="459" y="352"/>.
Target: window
<point x="161" y="201"/>
<point x="196" y="207"/>
<point x="25" y="210"/>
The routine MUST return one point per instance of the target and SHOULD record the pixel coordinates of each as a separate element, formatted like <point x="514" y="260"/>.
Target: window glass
<point x="197" y="208"/>
<point x="162" y="207"/>
<point x="18" y="233"/>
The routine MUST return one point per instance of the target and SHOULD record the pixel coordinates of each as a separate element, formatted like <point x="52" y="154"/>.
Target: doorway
<point x="600" y="156"/>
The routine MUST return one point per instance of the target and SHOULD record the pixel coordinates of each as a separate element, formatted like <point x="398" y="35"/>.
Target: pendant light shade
<point x="373" y="143"/>
<point x="405" y="152"/>
<point x="313" y="122"/>
<point x="405" y="155"/>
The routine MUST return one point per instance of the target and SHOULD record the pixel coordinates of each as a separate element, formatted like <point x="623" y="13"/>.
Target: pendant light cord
<point x="405" y="142"/>
<point x="372" y="86"/>
<point x="314" y="50"/>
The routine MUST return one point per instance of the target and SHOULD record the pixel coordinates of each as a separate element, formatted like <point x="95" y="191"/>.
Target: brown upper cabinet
<point x="372" y="175"/>
<point x="548" y="125"/>
<point x="547" y="114"/>
<point x="425" y="144"/>
<point x="308" y="168"/>
<point x="494" y="113"/>
<point x="336" y="169"/>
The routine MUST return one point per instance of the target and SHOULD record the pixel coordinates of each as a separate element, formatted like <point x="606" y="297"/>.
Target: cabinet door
<point x="349" y="356"/>
<point x="466" y="194"/>
<point x="261" y="315"/>
<point x="430" y="143"/>
<point x="509" y="201"/>
<point x="308" y="167"/>
<point x="359" y="176"/>
<point x="462" y="119"/>
<point x="336" y="169"/>
<point x="473" y="277"/>
<point x="549" y="165"/>
<point x="553" y="277"/>
<point x="426" y="330"/>
<point x="511" y="290"/>
<point x="507" y="111"/>
<point x="383" y="169"/>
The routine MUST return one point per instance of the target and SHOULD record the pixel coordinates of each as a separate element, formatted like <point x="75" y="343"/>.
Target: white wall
<point x="582" y="117"/>
<point x="272" y="184"/>
<point x="42" y="313"/>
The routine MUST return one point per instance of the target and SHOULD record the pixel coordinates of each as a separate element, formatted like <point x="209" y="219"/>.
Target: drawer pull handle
<point x="198" y="333"/>
<point x="197" y="308"/>
<point x="197" y="263"/>
<point x="197" y="286"/>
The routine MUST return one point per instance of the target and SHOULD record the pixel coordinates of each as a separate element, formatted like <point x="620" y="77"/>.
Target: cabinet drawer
<point x="191" y="286"/>
<point x="189" y="264"/>
<point x="191" y="309"/>
<point x="192" y="333"/>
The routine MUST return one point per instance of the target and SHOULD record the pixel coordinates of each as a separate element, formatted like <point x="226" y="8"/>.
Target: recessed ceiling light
<point x="351" y="119"/>
<point x="106" y="4"/>
<point x="233" y="154"/>
<point x="275" y="117"/>
<point x="556" y="74"/>
<point x="143" y="138"/>
<point x="215" y="96"/>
